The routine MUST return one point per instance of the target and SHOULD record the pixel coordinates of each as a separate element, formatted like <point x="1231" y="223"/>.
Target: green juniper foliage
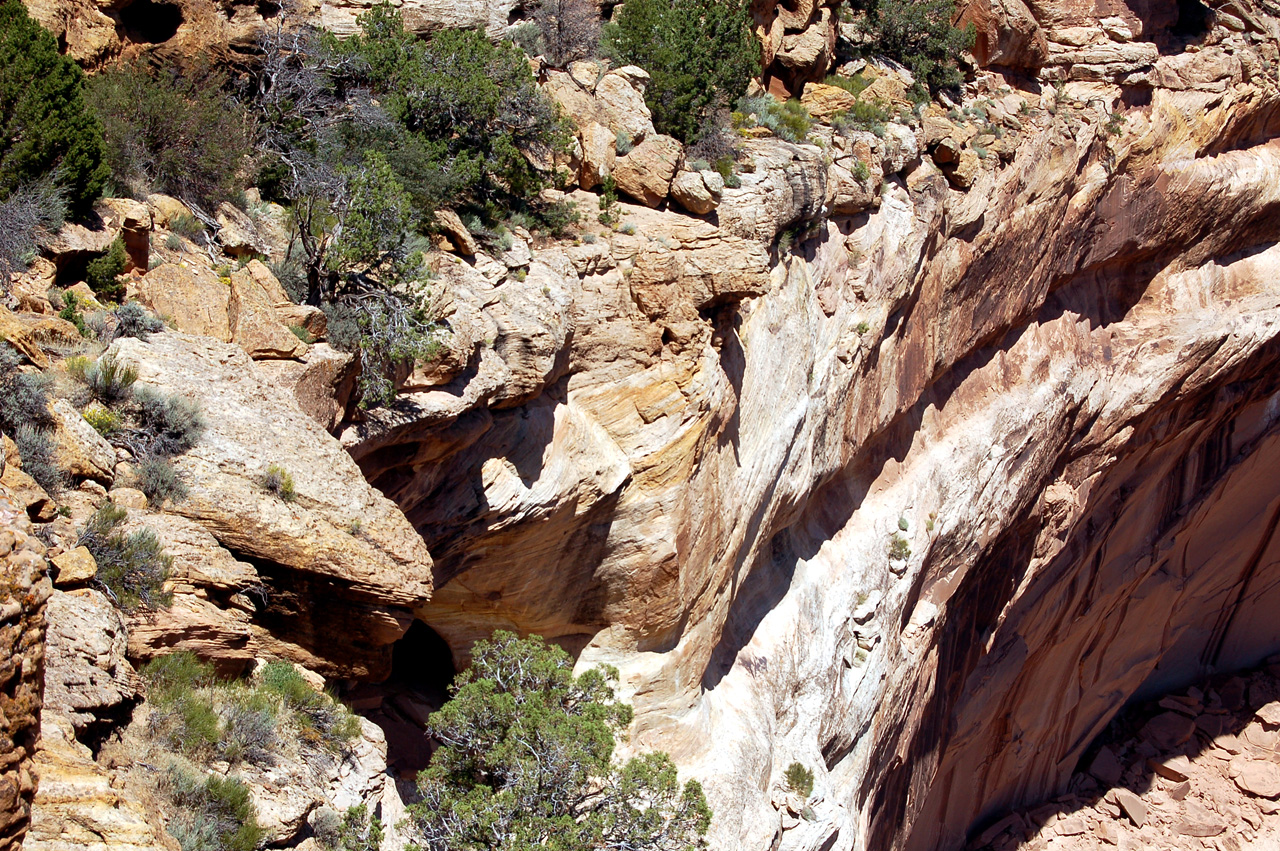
<point x="103" y="273"/>
<point x="45" y="126"/>
<point x="526" y="763"/>
<point x="700" y="55"/>
<point x="919" y="34"/>
<point x="132" y="568"/>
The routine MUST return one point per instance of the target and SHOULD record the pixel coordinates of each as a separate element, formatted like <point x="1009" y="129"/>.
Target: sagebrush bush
<point x="251" y="732"/>
<point x="105" y="421"/>
<point x="132" y="568"/>
<point x="323" y="721"/>
<point x="133" y="320"/>
<point x="24" y="397"/>
<point x="278" y="481"/>
<point x="110" y="381"/>
<point x="176" y="672"/>
<point x="862" y="115"/>
<point x="210" y="813"/>
<point x="37" y="450"/>
<point x="185" y="224"/>
<point x="160" y="481"/>
<point x="173" y="424"/>
<point x="789" y="121"/>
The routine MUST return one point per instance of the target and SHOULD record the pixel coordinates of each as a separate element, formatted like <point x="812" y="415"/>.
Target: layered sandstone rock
<point x="24" y="589"/>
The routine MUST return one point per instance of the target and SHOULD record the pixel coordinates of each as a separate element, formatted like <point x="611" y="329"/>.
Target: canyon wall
<point x="914" y="460"/>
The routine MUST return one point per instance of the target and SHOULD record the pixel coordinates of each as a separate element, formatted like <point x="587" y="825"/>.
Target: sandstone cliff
<point x="912" y="458"/>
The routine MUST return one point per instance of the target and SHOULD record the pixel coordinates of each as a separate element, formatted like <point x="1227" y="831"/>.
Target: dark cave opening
<point x="1193" y="18"/>
<point x="149" y="22"/>
<point x="422" y="669"/>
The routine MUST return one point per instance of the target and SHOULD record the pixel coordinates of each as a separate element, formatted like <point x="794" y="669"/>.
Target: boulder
<point x="322" y="383"/>
<point x="620" y="94"/>
<point x="646" y="173"/>
<point x="23" y="490"/>
<point x="87" y="679"/>
<point x="255" y="326"/>
<point x="824" y="101"/>
<point x="165" y="209"/>
<point x="599" y="153"/>
<point x="457" y="232"/>
<point x="1257" y="777"/>
<point x="192" y="297"/>
<point x="962" y="172"/>
<point x="81" y="451"/>
<point x="237" y="233"/>
<point x="364" y="585"/>
<point x="75" y="567"/>
<point x="132" y="221"/>
<point x="30" y="334"/>
<point x="304" y="316"/>
<point x="1006" y="34"/>
<point x="1168" y="730"/>
<point x="690" y="190"/>
<point x="585" y="73"/>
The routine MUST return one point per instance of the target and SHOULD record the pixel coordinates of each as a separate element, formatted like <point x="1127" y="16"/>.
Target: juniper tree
<point x="526" y="762"/>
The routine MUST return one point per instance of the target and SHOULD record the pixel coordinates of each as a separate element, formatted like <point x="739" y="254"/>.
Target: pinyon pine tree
<point x="526" y="763"/>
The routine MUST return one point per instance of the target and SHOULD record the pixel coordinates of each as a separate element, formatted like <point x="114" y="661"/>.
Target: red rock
<point x="1180" y="791"/>
<point x="1168" y="730"/>
<point x="1106" y="767"/>
<point x="1174" y="768"/>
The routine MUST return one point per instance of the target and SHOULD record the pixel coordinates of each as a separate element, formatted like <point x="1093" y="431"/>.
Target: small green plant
<point x="355" y="528"/>
<point x="623" y="144"/>
<point x="210" y="813"/>
<point x="982" y="152"/>
<point x="854" y="85"/>
<point x="789" y="121"/>
<point x="103" y="273"/>
<point x="110" y="382"/>
<point x="931" y="522"/>
<point x="71" y="313"/>
<point x="862" y="327"/>
<point x="628" y="228"/>
<point x="176" y="673"/>
<point x="799" y="779"/>
<point x="860" y="172"/>
<point x="861" y="656"/>
<point x="863" y="115"/>
<point x="899" y="549"/>
<point x="902" y="523"/>
<point x="173" y="242"/>
<point x="1115" y="123"/>
<point x="302" y="334"/>
<point x="132" y="568"/>
<point x="160" y="481"/>
<point x="322" y="720"/>
<point x="186" y="225"/>
<point x="610" y="215"/>
<point x="358" y="831"/>
<point x="37" y="450"/>
<point x="278" y="481"/>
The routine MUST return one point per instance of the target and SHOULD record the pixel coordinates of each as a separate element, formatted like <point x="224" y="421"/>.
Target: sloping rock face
<point x="919" y="496"/>
<point x="24" y="589"/>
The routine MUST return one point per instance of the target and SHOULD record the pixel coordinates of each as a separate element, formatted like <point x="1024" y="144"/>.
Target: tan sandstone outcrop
<point x="24" y="589"/>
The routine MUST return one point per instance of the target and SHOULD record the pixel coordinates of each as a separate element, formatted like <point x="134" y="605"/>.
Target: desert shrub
<point x="570" y="30"/>
<point x="185" y="224"/>
<point x="279" y="482"/>
<point x="789" y="121"/>
<point x="528" y="37"/>
<point x="133" y="320"/>
<point x="172" y="424"/>
<point x="105" y="421"/>
<point x="323" y="722"/>
<point x="918" y="34"/>
<point x="176" y="673"/>
<point x="800" y="779"/>
<point x="103" y="273"/>
<point x="528" y="746"/>
<point x="356" y="831"/>
<point x="471" y="108"/>
<point x="700" y="54"/>
<point x="24" y="397"/>
<point x="31" y="211"/>
<point x="159" y="480"/>
<point x="609" y="211"/>
<point x="854" y="85"/>
<point x="302" y="334"/>
<point x="46" y="128"/>
<point x="717" y="145"/>
<point x="132" y="568"/>
<point x="862" y="115"/>
<point x="71" y="313"/>
<point x="37" y="450"/>
<point x="251" y="731"/>
<point x="292" y="276"/>
<point x="899" y="549"/>
<point x="172" y="132"/>
<point x="110" y="381"/>
<point x="210" y="813"/>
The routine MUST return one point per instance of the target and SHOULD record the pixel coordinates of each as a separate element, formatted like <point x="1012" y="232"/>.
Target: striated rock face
<point x="918" y="496"/>
<point x="24" y="589"/>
